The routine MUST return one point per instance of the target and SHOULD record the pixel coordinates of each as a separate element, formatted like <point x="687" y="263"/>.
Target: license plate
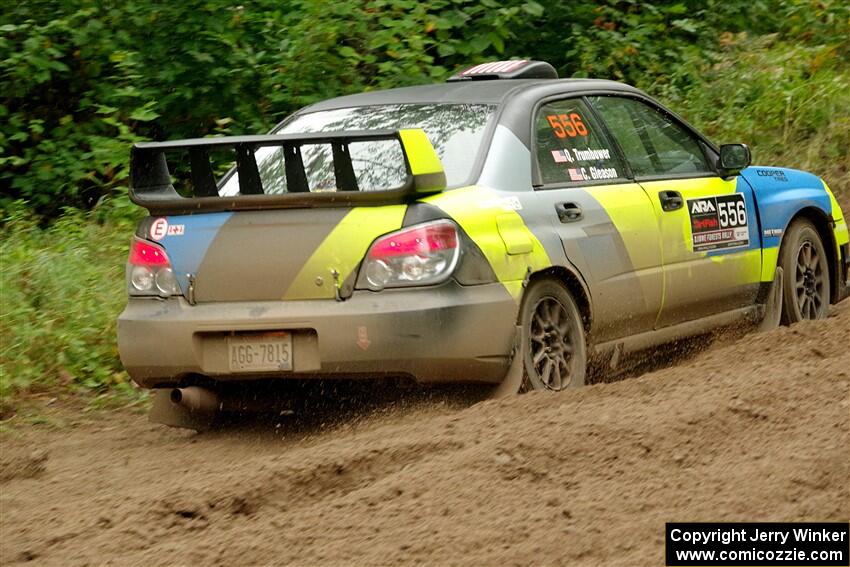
<point x="260" y="353"/>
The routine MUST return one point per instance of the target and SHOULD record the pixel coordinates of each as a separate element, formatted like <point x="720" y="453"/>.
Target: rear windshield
<point x="455" y="130"/>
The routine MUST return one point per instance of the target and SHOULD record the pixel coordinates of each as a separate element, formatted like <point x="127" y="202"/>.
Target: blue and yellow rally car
<point x="505" y="227"/>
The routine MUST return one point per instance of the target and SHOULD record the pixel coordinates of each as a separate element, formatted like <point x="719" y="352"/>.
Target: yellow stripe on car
<point x="489" y="218"/>
<point x="748" y="263"/>
<point x="342" y="250"/>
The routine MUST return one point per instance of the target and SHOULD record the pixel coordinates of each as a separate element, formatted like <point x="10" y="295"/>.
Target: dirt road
<point x="754" y="430"/>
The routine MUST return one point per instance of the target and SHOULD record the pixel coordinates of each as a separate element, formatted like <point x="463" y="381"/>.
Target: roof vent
<point x="513" y="69"/>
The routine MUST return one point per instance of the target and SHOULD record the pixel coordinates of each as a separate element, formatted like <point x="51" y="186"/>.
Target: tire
<point x="554" y="349"/>
<point x="803" y="260"/>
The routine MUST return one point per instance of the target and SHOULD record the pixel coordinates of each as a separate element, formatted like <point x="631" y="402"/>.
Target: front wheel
<point x="803" y="260"/>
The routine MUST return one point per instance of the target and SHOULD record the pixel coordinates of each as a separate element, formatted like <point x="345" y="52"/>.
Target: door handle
<point x="671" y="200"/>
<point x="568" y="212"/>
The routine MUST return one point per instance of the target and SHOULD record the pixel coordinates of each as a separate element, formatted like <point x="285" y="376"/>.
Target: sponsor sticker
<point x="776" y="174"/>
<point x="719" y="222"/>
<point x="159" y="228"/>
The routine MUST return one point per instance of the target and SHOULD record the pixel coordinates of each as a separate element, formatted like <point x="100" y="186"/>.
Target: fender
<point x="781" y="194"/>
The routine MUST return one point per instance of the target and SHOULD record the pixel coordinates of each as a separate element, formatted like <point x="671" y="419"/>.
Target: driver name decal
<point x="719" y="222"/>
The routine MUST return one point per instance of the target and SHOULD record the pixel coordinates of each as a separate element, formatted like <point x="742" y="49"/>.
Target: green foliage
<point x="789" y="101"/>
<point x="81" y="80"/>
<point x="62" y="288"/>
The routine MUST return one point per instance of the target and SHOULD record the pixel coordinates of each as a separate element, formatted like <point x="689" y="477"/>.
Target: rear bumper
<point x="445" y="333"/>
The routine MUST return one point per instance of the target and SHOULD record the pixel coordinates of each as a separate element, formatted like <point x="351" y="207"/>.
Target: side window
<point x="571" y="148"/>
<point x="652" y="143"/>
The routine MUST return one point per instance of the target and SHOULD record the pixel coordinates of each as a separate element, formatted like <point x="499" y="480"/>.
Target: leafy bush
<point x="62" y="289"/>
<point x="81" y="80"/>
<point x="790" y="102"/>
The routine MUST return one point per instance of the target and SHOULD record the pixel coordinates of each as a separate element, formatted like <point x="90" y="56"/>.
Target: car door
<point x="606" y="222"/>
<point x="709" y="229"/>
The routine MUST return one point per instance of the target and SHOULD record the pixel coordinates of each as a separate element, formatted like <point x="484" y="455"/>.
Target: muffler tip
<point x="195" y="399"/>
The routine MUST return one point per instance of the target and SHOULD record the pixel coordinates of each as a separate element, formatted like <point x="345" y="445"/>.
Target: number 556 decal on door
<point x="719" y="222"/>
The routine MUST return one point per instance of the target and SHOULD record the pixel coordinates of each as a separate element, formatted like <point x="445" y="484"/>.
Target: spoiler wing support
<point x="151" y="186"/>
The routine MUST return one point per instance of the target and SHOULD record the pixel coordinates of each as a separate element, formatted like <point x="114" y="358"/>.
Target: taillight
<point x="149" y="270"/>
<point x="424" y="254"/>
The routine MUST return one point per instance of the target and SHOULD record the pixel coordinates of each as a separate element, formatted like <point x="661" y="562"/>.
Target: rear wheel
<point x="551" y="350"/>
<point x="806" y="274"/>
<point x="553" y="344"/>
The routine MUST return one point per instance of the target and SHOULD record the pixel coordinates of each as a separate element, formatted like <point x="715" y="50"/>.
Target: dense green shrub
<point x="790" y="102"/>
<point x="82" y="80"/>
<point x="62" y="288"/>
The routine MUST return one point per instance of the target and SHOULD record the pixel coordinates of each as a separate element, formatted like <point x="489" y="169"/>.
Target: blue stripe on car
<point x="186" y="251"/>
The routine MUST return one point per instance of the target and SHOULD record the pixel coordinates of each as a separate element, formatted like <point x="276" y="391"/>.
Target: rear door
<point x="709" y="229"/>
<point x="606" y="222"/>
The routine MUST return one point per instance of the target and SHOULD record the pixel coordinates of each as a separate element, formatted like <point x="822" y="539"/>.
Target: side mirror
<point x="734" y="158"/>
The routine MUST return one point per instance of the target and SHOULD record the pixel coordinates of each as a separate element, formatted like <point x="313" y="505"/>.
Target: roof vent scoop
<point x="513" y="69"/>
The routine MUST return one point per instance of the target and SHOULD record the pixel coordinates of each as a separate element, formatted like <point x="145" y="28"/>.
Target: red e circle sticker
<point x="159" y="229"/>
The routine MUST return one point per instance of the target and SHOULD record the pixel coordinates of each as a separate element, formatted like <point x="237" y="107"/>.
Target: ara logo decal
<point x="702" y="206"/>
<point x="719" y="222"/>
<point x="160" y="228"/>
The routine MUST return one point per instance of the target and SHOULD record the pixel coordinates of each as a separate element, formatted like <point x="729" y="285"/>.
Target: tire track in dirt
<point x="758" y="429"/>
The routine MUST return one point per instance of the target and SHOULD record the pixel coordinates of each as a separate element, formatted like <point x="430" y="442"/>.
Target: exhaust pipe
<point x="195" y="399"/>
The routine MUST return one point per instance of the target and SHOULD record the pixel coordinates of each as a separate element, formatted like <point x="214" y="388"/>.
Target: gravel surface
<point x="752" y="429"/>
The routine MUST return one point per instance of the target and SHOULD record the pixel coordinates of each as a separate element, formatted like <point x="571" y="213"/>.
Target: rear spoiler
<point x="151" y="187"/>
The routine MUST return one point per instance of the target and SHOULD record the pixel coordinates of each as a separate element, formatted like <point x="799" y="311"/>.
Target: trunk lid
<point x="272" y="255"/>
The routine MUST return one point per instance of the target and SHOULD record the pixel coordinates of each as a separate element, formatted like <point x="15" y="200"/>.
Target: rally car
<point x="504" y="227"/>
